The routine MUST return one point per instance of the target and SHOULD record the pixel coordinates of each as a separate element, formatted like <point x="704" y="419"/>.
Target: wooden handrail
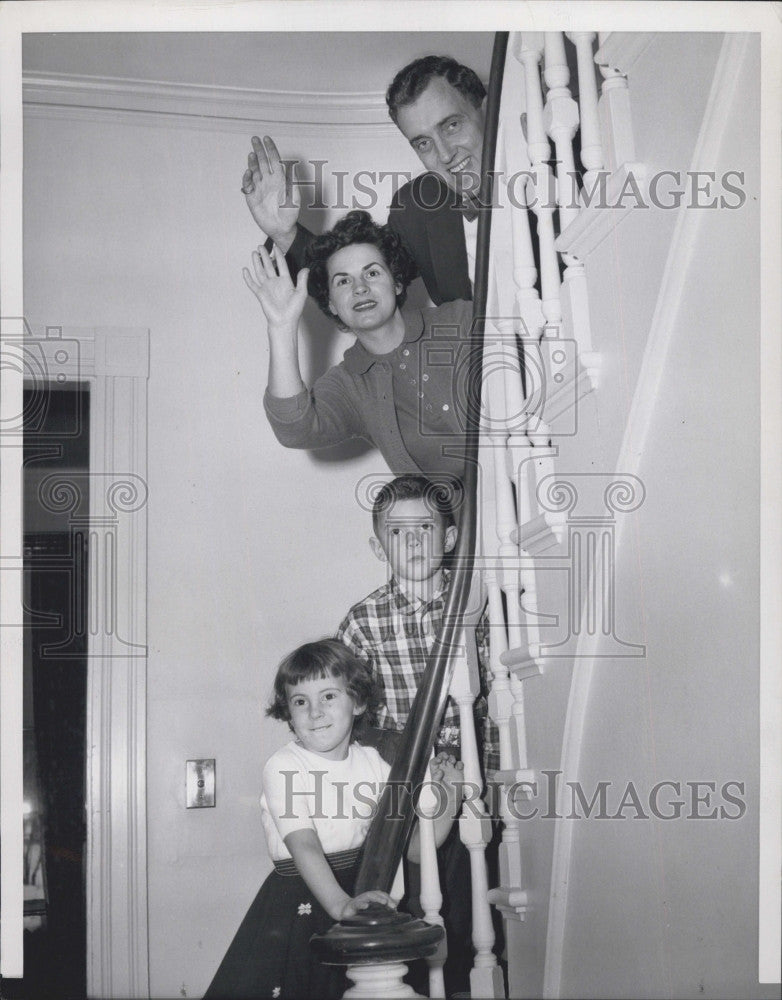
<point x="386" y="839"/>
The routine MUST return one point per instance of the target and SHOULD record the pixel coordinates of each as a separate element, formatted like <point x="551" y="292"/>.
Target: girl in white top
<point x="319" y="795"/>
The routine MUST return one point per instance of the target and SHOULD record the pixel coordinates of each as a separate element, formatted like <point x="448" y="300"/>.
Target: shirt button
<point x="403" y="367"/>
<point x="424" y="378"/>
<point x="406" y="352"/>
<point x="446" y="406"/>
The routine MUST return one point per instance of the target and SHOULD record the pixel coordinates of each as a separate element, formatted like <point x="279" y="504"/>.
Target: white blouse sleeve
<point x="290" y="793"/>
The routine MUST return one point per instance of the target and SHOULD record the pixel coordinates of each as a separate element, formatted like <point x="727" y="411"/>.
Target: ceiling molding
<point x="65" y="91"/>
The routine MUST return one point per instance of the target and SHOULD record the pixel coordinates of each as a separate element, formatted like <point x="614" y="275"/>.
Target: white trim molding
<point x="199" y="105"/>
<point x="115" y="364"/>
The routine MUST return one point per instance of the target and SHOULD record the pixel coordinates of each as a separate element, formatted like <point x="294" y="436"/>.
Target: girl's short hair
<point x="327" y="658"/>
<point x="357" y="227"/>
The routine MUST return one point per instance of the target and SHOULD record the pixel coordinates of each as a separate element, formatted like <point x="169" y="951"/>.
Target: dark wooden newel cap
<point x="377" y="935"/>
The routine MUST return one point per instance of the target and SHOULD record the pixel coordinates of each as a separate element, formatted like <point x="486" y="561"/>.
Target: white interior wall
<point x="252" y="548"/>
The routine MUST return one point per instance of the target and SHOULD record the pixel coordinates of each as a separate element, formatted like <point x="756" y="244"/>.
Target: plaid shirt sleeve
<point x="349" y="633"/>
<point x="354" y="632"/>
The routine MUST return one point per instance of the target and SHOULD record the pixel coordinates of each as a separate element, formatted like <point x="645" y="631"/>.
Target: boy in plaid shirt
<point x="392" y="631"/>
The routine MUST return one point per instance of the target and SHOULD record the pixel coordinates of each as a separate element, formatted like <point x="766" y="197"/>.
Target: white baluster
<point x="526" y="503"/>
<point x="540" y="466"/>
<point x="506" y="528"/>
<point x="375" y="981"/>
<point x="503" y="380"/>
<point x="486" y="979"/>
<point x="576" y="323"/>
<point x="529" y="53"/>
<point x="515" y="163"/>
<point x="500" y="697"/>
<point x="431" y="893"/>
<point x="528" y="49"/>
<point x="518" y="728"/>
<point x="529" y="605"/>
<point x="562" y="118"/>
<point x="523" y="627"/>
<point x="591" y="145"/>
<point x="509" y="897"/>
<point x="561" y="121"/>
<point x="616" y="119"/>
<point x="507" y="552"/>
<point x="516" y="407"/>
<point x="523" y="661"/>
<point x="519" y="413"/>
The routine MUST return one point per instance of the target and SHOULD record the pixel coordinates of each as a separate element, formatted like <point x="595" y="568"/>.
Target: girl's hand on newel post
<point x="362" y="901"/>
<point x="447" y="771"/>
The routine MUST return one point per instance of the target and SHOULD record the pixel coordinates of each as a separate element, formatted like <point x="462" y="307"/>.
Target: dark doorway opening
<point x="56" y="509"/>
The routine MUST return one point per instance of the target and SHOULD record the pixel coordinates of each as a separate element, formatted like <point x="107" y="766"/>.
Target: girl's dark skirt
<point x="270" y="955"/>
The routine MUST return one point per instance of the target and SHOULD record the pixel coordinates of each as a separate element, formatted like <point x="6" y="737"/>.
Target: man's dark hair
<point x="410" y="82"/>
<point x="442" y="495"/>
<point x="357" y="227"/>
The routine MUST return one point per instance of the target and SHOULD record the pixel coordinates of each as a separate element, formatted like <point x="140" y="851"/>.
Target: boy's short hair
<point x="411" y="81"/>
<point x="442" y="495"/>
<point x="327" y="658"/>
<point x="357" y="227"/>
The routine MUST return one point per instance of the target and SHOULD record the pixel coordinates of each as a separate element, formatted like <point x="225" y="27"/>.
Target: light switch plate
<point x="200" y="783"/>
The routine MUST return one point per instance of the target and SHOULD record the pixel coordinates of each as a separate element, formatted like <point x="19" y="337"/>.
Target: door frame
<point x="114" y="361"/>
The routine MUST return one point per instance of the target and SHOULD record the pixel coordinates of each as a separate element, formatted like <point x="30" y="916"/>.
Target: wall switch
<point x="200" y="783"/>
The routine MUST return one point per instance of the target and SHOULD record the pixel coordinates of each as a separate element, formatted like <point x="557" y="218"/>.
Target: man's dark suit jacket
<point x="433" y="235"/>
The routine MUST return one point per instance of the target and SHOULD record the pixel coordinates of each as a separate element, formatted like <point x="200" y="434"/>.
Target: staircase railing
<point x="531" y="330"/>
<point x="562" y="156"/>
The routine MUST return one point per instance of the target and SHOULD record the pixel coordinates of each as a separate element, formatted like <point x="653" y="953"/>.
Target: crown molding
<point x="66" y="93"/>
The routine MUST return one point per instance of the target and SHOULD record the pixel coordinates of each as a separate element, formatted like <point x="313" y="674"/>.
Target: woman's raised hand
<point x="281" y="300"/>
<point x="271" y="191"/>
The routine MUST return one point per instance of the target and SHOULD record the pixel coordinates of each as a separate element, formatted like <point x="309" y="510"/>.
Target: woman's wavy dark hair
<point x="327" y="658"/>
<point x="357" y="227"/>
